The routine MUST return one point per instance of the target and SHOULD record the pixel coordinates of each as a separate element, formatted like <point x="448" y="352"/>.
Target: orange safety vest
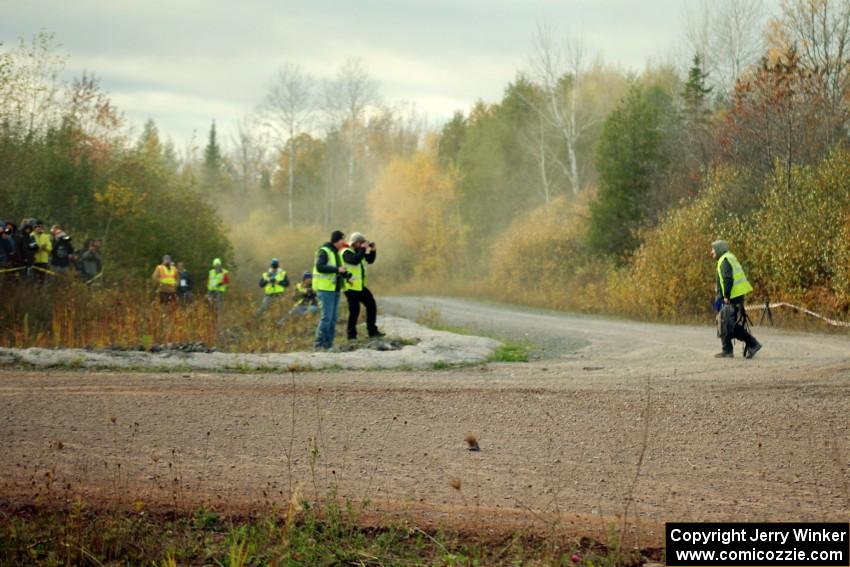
<point x="167" y="277"/>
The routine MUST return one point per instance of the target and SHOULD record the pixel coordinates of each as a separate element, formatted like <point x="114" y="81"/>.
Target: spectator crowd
<point x="30" y="253"/>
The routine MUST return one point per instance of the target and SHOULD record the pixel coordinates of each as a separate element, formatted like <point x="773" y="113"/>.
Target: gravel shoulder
<point x="746" y="440"/>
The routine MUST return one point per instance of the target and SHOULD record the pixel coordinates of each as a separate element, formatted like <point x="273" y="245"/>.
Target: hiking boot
<point x="725" y="354"/>
<point x="377" y="334"/>
<point x="751" y="351"/>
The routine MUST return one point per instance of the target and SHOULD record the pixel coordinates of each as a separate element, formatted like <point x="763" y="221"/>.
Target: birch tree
<point x="347" y="99"/>
<point x="727" y="37"/>
<point x="559" y="68"/>
<point x="287" y="111"/>
<point x="820" y="32"/>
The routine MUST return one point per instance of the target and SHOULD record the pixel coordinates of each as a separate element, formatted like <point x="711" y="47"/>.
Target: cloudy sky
<point x="187" y="62"/>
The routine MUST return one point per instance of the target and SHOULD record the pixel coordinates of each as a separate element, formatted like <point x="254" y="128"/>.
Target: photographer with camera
<point x="63" y="251"/>
<point x="273" y="282"/>
<point x="359" y="253"/>
<point x="329" y="276"/>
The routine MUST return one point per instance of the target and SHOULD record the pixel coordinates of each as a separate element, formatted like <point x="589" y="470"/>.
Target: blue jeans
<point x="326" y="331"/>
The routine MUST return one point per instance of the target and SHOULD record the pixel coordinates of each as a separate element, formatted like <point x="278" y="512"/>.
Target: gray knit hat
<point x="721" y="247"/>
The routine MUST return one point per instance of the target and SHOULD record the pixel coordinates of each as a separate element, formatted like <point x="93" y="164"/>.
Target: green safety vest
<point x="215" y="282"/>
<point x="740" y="285"/>
<point x="274" y="282"/>
<point x="325" y="282"/>
<point x="358" y="272"/>
<point x="302" y="294"/>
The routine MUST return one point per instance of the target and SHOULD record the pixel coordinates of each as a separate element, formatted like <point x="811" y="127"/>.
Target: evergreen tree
<point x="629" y="160"/>
<point x="213" y="163"/>
<point x="451" y="139"/>
<point x="696" y="90"/>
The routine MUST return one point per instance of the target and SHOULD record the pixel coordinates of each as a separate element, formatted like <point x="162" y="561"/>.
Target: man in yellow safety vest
<point x="329" y="276"/>
<point x="165" y="276"/>
<point x="732" y="287"/>
<point x="359" y="253"/>
<point x="218" y="282"/>
<point x="273" y="282"/>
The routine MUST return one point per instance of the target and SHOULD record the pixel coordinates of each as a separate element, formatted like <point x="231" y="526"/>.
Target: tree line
<point x="584" y="178"/>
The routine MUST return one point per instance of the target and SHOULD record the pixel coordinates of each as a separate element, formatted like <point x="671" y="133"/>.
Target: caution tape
<point x="45" y="270"/>
<point x="100" y="273"/>
<point x="769" y="306"/>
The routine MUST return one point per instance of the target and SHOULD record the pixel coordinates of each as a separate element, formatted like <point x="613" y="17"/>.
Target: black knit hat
<point x="336" y="236"/>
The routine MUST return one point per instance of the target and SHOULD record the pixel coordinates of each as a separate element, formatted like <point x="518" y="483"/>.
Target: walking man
<point x="354" y="258"/>
<point x="732" y="287"/>
<point x="329" y="277"/>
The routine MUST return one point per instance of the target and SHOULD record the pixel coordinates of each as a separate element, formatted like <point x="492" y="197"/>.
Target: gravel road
<point x="613" y="416"/>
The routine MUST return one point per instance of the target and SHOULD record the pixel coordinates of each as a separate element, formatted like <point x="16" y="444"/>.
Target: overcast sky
<point x="187" y="62"/>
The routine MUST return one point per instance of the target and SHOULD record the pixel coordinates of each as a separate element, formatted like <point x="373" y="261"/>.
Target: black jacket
<point x="354" y="257"/>
<point x="25" y="248"/>
<point x="62" y="251"/>
<point x="323" y="267"/>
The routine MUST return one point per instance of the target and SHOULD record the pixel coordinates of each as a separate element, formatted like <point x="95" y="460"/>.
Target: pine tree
<point x="213" y="163"/>
<point x="629" y="160"/>
<point x="695" y="91"/>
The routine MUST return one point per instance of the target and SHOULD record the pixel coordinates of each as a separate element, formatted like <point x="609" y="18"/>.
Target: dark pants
<point x="167" y="297"/>
<point x="739" y="331"/>
<point x="41" y="274"/>
<point x="355" y="298"/>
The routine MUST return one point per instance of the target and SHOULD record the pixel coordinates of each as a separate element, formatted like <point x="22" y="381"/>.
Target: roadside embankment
<point x="433" y="348"/>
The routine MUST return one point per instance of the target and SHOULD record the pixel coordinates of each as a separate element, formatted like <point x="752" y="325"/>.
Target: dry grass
<point x="67" y="314"/>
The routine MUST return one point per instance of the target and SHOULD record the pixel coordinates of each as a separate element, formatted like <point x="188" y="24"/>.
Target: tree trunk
<point x="291" y="177"/>
<point x="573" y="139"/>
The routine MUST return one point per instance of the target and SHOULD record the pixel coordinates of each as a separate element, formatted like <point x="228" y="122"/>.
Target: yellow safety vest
<point x="740" y="285"/>
<point x="325" y="282"/>
<point x="215" y="282"/>
<point x="302" y="292"/>
<point x="358" y="272"/>
<point x="167" y="276"/>
<point x="274" y="282"/>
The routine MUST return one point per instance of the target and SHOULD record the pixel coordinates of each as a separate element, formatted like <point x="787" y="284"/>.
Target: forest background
<point x="584" y="188"/>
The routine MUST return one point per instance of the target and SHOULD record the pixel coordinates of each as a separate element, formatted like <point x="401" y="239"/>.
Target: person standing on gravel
<point x="329" y="276"/>
<point x="360" y="252"/>
<point x="732" y="287"/>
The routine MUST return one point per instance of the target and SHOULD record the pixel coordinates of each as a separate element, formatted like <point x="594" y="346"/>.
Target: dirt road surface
<point x="612" y="417"/>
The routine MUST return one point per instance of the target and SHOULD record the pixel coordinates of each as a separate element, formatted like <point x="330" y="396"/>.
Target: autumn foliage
<point x="414" y="211"/>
